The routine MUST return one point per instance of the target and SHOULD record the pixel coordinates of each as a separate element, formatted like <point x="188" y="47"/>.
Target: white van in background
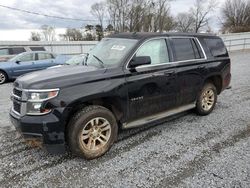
<point x="9" y="52"/>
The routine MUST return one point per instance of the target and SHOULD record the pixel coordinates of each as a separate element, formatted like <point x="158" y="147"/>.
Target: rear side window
<point x="37" y="48"/>
<point x="17" y="50"/>
<point x="216" y="47"/>
<point x="186" y="49"/>
<point x="43" y="56"/>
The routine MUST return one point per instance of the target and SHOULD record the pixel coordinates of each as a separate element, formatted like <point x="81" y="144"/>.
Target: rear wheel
<point x="207" y="99"/>
<point x="3" y="77"/>
<point x="92" y="132"/>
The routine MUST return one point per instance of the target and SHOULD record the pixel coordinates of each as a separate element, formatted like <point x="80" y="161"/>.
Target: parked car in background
<point x="26" y="62"/>
<point x="9" y="52"/>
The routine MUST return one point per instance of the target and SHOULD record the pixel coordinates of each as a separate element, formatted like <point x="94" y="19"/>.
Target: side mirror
<point x="140" y="60"/>
<point x="18" y="61"/>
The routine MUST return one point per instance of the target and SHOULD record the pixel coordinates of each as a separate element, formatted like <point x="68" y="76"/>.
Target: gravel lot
<point x="188" y="151"/>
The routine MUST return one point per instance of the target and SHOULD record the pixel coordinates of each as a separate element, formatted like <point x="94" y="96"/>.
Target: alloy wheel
<point x="95" y="134"/>
<point x="208" y="99"/>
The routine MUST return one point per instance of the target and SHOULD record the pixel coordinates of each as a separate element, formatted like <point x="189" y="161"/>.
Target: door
<point x="44" y="60"/>
<point x="151" y="88"/>
<point x="23" y="63"/>
<point x="190" y="68"/>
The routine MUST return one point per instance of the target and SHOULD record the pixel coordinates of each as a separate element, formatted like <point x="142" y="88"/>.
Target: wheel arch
<point x="7" y="74"/>
<point x="114" y="104"/>
<point x="217" y="81"/>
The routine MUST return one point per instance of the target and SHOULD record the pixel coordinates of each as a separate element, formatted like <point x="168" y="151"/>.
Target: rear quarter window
<point x="216" y="47"/>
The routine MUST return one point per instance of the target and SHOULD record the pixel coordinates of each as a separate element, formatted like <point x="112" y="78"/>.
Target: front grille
<point x="17" y="107"/>
<point x="17" y="92"/>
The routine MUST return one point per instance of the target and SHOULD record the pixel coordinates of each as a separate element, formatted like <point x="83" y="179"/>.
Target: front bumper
<point x="46" y="130"/>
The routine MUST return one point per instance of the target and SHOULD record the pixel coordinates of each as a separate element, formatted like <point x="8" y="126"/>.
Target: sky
<point x="16" y="25"/>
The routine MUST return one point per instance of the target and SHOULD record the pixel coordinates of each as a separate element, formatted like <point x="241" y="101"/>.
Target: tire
<point x="92" y="131"/>
<point x="206" y="100"/>
<point x="3" y="77"/>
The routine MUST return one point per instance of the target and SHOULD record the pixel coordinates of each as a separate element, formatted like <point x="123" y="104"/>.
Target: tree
<point x="200" y="12"/>
<point x="89" y="34"/>
<point x="98" y="10"/>
<point x="73" y="35"/>
<point x="48" y="32"/>
<point x="185" y="22"/>
<point x="99" y="32"/>
<point x="35" y="36"/>
<point x="110" y="28"/>
<point x="236" y="16"/>
<point x="140" y="15"/>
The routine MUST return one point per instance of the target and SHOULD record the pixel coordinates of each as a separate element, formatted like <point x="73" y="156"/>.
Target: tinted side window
<point x="185" y="49"/>
<point x="17" y="50"/>
<point x="37" y="48"/>
<point x="156" y="49"/>
<point x="216" y="47"/>
<point x="43" y="56"/>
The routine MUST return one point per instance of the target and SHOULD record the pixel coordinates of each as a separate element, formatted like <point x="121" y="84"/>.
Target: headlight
<point x="41" y="96"/>
<point x="35" y="99"/>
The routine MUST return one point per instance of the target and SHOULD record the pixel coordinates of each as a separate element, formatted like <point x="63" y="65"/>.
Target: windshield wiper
<point x="99" y="60"/>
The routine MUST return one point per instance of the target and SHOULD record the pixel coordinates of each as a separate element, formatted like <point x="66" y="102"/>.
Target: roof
<point x="144" y="35"/>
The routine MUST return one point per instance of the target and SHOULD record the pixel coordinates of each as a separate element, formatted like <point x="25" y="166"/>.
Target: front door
<point x="23" y="64"/>
<point x="151" y="88"/>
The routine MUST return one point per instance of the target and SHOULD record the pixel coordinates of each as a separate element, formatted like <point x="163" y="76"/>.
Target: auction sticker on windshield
<point x="118" y="47"/>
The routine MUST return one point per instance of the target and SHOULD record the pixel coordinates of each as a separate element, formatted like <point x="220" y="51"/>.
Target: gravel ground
<point x="186" y="151"/>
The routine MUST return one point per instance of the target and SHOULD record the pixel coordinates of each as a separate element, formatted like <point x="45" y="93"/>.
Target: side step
<point x="161" y="115"/>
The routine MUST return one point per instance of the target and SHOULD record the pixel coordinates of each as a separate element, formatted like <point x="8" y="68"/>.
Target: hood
<point x="59" y="77"/>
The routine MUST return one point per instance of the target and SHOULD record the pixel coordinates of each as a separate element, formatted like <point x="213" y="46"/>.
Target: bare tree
<point x="185" y="22"/>
<point x="73" y="35"/>
<point x="99" y="10"/>
<point x="236" y="16"/>
<point x="35" y="36"/>
<point x="48" y="32"/>
<point x="140" y="15"/>
<point x="200" y="12"/>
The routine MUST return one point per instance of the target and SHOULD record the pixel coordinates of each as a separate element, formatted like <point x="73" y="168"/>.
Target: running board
<point x="161" y="115"/>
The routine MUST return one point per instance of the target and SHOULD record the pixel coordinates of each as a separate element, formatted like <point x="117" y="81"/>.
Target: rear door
<point x="190" y="68"/>
<point x="151" y="88"/>
<point x="44" y="60"/>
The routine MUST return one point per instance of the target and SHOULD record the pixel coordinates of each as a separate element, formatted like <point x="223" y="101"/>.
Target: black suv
<point x="128" y="80"/>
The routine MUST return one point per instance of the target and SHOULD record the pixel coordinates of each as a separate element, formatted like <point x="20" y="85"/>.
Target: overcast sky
<point x="13" y="20"/>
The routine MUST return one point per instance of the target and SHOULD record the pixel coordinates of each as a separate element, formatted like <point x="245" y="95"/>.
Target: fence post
<point x="81" y="48"/>
<point x="244" y="45"/>
<point x="229" y="46"/>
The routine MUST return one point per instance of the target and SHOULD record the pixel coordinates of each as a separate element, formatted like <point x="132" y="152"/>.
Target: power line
<point x="46" y="15"/>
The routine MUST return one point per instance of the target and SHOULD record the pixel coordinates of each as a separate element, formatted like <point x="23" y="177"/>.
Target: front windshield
<point x="110" y="51"/>
<point x="76" y="60"/>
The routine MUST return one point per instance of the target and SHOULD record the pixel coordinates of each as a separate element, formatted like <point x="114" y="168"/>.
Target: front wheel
<point x="3" y="77"/>
<point x="206" y="100"/>
<point x="92" y="132"/>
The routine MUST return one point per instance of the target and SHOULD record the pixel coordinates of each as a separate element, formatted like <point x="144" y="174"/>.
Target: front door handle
<point x="201" y="67"/>
<point x="169" y="73"/>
